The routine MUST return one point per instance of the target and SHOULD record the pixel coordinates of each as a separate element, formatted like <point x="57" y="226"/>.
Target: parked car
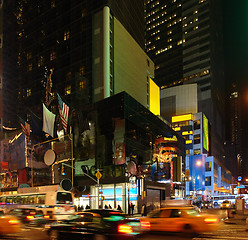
<point x="184" y="219"/>
<point x="30" y="216"/>
<point x="226" y="204"/>
<point x="97" y="224"/>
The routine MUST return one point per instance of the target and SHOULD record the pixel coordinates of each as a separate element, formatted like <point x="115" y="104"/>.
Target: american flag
<point x="63" y="112"/>
<point x="25" y="128"/>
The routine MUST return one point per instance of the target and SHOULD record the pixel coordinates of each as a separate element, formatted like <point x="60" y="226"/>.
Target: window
<point x="68" y="90"/>
<point x="82" y="70"/>
<point x="208" y="181"/>
<point x="197" y="139"/>
<point x="197" y="124"/>
<point x="40" y="61"/>
<point x="29" y="55"/>
<point x="30" y="66"/>
<point x="53" y="3"/>
<point x="208" y="166"/>
<point x="82" y="84"/>
<point x="68" y="76"/>
<point x="66" y="35"/>
<point x="197" y="151"/>
<point x="63" y="197"/>
<point x="52" y="55"/>
<point x="28" y="117"/>
<point x="84" y="12"/>
<point x="175" y="213"/>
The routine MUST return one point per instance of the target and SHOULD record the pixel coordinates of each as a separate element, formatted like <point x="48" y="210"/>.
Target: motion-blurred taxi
<point x="9" y="225"/>
<point x="181" y="219"/>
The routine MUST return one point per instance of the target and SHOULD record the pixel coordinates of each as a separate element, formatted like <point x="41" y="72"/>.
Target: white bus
<point x="52" y="200"/>
<point x="217" y="200"/>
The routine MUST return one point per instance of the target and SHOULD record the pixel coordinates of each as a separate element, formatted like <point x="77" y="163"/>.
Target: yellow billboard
<point x="154" y="98"/>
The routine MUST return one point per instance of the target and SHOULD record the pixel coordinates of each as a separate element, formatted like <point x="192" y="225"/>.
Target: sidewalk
<point x="236" y="219"/>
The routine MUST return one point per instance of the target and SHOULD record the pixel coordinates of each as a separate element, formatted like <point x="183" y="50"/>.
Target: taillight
<point x="125" y="229"/>
<point x="13" y="221"/>
<point x="145" y="224"/>
<point x="211" y="220"/>
<point x="46" y="216"/>
<point x="30" y="218"/>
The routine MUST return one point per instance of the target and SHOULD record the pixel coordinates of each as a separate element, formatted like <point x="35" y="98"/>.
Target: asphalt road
<point x="233" y="230"/>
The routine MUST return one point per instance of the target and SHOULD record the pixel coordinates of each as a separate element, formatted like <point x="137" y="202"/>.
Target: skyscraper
<point x="184" y="39"/>
<point x="7" y="66"/>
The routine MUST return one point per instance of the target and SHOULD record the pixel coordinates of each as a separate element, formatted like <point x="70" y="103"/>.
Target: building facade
<point x="184" y="39"/>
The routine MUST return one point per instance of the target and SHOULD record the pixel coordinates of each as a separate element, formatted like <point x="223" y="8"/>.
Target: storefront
<point x="110" y="196"/>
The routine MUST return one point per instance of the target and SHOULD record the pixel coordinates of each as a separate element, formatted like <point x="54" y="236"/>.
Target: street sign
<point x="241" y="186"/>
<point x="98" y="175"/>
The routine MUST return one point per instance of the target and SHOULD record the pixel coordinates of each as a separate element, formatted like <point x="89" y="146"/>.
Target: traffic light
<point x="62" y="170"/>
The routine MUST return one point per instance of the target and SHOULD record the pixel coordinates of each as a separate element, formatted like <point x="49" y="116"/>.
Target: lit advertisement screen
<point x="205" y="133"/>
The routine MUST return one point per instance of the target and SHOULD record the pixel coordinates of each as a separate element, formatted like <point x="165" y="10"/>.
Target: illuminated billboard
<point x="205" y="133"/>
<point x="154" y="98"/>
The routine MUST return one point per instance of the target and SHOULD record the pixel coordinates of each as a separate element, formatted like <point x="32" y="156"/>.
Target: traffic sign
<point x="98" y="175"/>
<point x="241" y="186"/>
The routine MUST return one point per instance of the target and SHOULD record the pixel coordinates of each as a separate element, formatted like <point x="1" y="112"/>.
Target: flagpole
<point x="72" y="162"/>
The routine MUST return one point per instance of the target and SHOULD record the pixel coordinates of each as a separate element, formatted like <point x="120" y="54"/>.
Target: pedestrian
<point x="119" y="208"/>
<point x="131" y="208"/>
<point x="110" y="206"/>
<point x="87" y="207"/>
<point x="106" y="207"/>
<point x="143" y="210"/>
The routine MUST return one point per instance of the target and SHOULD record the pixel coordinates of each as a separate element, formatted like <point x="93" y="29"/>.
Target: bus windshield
<point x="64" y="198"/>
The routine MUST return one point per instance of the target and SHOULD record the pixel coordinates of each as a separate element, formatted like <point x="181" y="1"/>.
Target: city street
<point x="233" y="230"/>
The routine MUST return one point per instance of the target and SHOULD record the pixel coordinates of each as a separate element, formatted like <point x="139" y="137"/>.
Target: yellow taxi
<point x="9" y="225"/>
<point x="181" y="219"/>
<point x="226" y="204"/>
